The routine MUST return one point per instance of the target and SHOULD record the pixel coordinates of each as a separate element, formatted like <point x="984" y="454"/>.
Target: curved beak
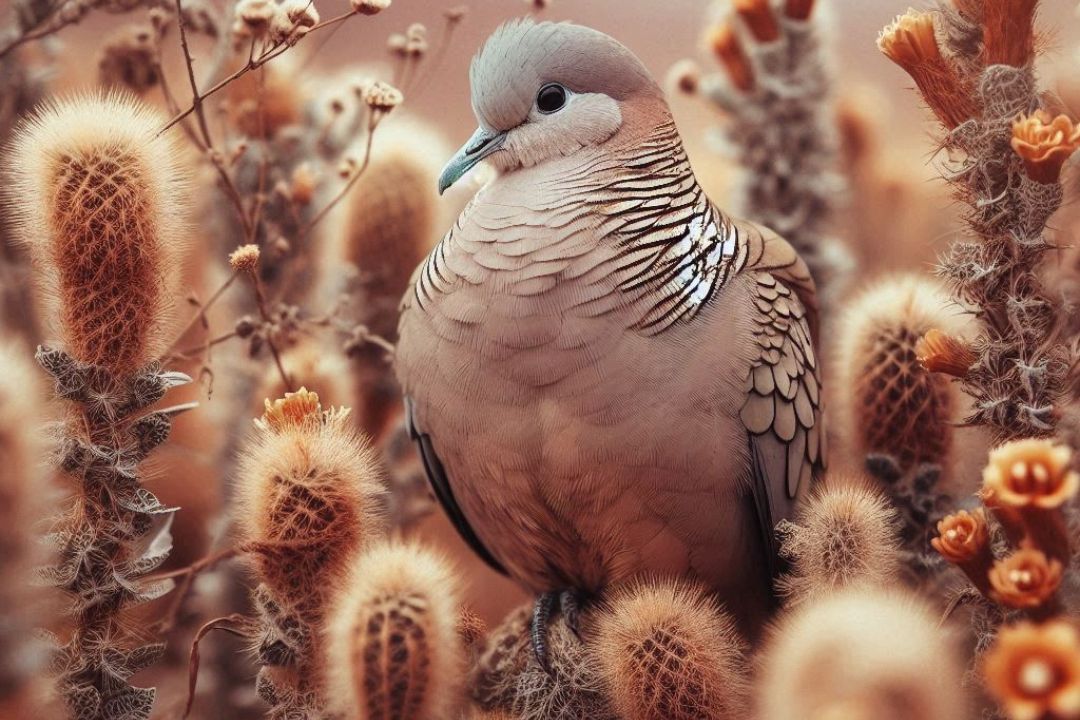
<point x="482" y="143"/>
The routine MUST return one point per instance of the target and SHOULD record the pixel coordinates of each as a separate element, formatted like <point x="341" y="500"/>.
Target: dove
<point x="608" y="378"/>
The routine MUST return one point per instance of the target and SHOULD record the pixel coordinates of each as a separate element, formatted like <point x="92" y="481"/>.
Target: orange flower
<point x="1029" y="473"/>
<point x="910" y="42"/>
<point x="939" y="352"/>
<point x="293" y="410"/>
<point x="726" y="46"/>
<point x="1044" y="144"/>
<point x="1034" y="670"/>
<point x="1025" y="579"/>
<point x="962" y="536"/>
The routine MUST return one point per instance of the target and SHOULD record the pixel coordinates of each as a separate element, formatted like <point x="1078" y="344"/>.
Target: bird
<point x="608" y="378"/>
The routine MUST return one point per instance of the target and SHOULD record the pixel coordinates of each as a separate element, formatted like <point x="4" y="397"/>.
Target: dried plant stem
<point x="200" y="318"/>
<point x="352" y="181"/>
<point x="260" y="301"/>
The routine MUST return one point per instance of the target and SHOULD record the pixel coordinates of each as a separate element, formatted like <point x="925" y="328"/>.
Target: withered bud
<point x="397" y="44"/>
<point x="942" y="353"/>
<point x="685" y="76"/>
<point x="244" y="259"/>
<point x="725" y="44"/>
<point x="1044" y="144"/>
<point x="759" y="18"/>
<point x="254" y="16"/>
<point x="455" y="14"/>
<point x="383" y="97"/>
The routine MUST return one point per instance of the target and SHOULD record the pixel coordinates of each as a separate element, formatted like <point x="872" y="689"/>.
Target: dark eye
<point x="551" y="98"/>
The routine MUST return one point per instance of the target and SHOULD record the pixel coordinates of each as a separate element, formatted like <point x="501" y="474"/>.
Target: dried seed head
<point x="1033" y="671"/>
<point x="665" y="651"/>
<point x="293" y="21"/>
<point x="725" y="44"/>
<point x="863" y="653"/>
<point x="254" y="17"/>
<point x="393" y="650"/>
<point x="759" y="18"/>
<point x="910" y="42"/>
<point x="382" y="96"/>
<point x="96" y="194"/>
<point x="245" y="259"/>
<point x="1030" y="473"/>
<point x="844" y="535"/>
<point x="1025" y="579"/>
<point x="309" y="497"/>
<point x="370" y="7"/>
<point x="685" y="76"/>
<point x="962" y="536"/>
<point x="888" y="403"/>
<point x="397" y="44"/>
<point x="940" y="352"/>
<point x="1044" y="144"/>
<point x="129" y="59"/>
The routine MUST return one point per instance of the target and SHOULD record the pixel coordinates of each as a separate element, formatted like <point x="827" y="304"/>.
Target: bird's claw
<point x="568" y="602"/>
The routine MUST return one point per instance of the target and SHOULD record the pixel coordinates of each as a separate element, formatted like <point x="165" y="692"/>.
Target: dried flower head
<point x="1044" y="144"/>
<point x="962" y="536"/>
<point x="865" y="653"/>
<point x="888" y="403"/>
<point x="1033" y="670"/>
<point x="665" y="651"/>
<point x="383" y="97"/>
<point x="940" y="352"/>
<point x="370" y="7"/>
<point x="393" y="648"/>
<point x="685" y="76"/>
<point x="844" y="535"/>
<point x="397" y="44"/>
<point x="129" y="59"/>
<point x="293" y="21"/>
<point x="725" y="44"/>
<point x="96" y="194"/>
<point x="254" y="17"/>
<point x="1025" y="579"/>
<point x="310" y="497"/>
<point x="245" y="259"/>
<point x="759" y="18"/>
<point x="910" y="42"/>
<point x="1030" y="473"/>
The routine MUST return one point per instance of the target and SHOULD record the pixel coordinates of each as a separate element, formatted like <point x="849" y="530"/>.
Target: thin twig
<point x="236" y="624"/>
<point x="260" y="301"/>
<point x="348" y="186"/>
<point x="189" y="573"/>
<point x="200" y="317"/>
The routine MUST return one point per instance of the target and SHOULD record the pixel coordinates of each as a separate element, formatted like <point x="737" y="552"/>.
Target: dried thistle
<point x="666" y="651"/>
<point x="888" y="403"/>
<point x="292" y="21"/>
<point x="245" y="259"/>
<point x="863" y="653"/>
<point x="309" y="500"/>
<point x="95" y="193"/>
<point x="1044" y="143"/>
<point x="1033" y="670"/>
<point x="844" y="535"/>
<point x="393" y="649"/>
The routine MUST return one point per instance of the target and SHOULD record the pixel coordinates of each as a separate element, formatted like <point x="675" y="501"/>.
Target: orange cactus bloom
<point x="1025" y="579"/>
<point x="1030" y="473"/>
<point x="1044" y="144"/>
<point x="940" y="352"/>
<point x="962" y="536"/>
<point x="1033" y="670"/>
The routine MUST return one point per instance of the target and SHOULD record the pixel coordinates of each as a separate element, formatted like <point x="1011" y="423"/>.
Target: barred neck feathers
<point x="675" y="247"/>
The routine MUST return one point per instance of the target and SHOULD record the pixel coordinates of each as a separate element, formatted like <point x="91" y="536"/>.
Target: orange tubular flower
<point x="942" y="353"/>
<point x="1044" y="144"/>
<point x="910" y="42"/>
<point x="293" y="410"/>
<point x="725" y="44"/>
<point x="1033" y="671"/>
<point x="964" y="540"/>
<point x="1025" y="579"/>
<point x="759" y="18"/>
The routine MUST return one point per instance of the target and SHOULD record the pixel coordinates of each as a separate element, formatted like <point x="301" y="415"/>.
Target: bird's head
<point x="546" y="90"/>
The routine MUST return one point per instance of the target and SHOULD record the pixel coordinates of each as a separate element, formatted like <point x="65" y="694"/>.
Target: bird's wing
<point x="440" y="485"/>
<point x="783" y="411"/>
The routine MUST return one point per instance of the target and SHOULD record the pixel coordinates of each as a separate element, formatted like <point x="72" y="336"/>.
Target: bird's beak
<point x="482" y="143"/>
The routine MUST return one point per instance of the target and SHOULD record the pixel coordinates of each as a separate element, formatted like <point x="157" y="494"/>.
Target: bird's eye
<point x="551" y="98"/>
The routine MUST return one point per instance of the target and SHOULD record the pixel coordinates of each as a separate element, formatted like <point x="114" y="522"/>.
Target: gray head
<point x="544" y="90"/>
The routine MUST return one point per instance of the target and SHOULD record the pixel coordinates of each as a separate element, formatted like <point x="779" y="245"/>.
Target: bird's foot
<point x="568" y="602"/>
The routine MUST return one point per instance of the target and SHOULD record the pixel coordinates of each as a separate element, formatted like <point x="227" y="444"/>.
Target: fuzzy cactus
<point x="508" y="679"/>
<point x="776" y="91"/>
<point x="98" y="204"/>
<point x="393" y="650"/>
<point x="25" y="498"/>
<point x="973" y="64"/>
<point x="844" y="535"/>
<point x="309" y="499"/>
<point x="862" y="653"/>
<point x="666" y="651"/>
